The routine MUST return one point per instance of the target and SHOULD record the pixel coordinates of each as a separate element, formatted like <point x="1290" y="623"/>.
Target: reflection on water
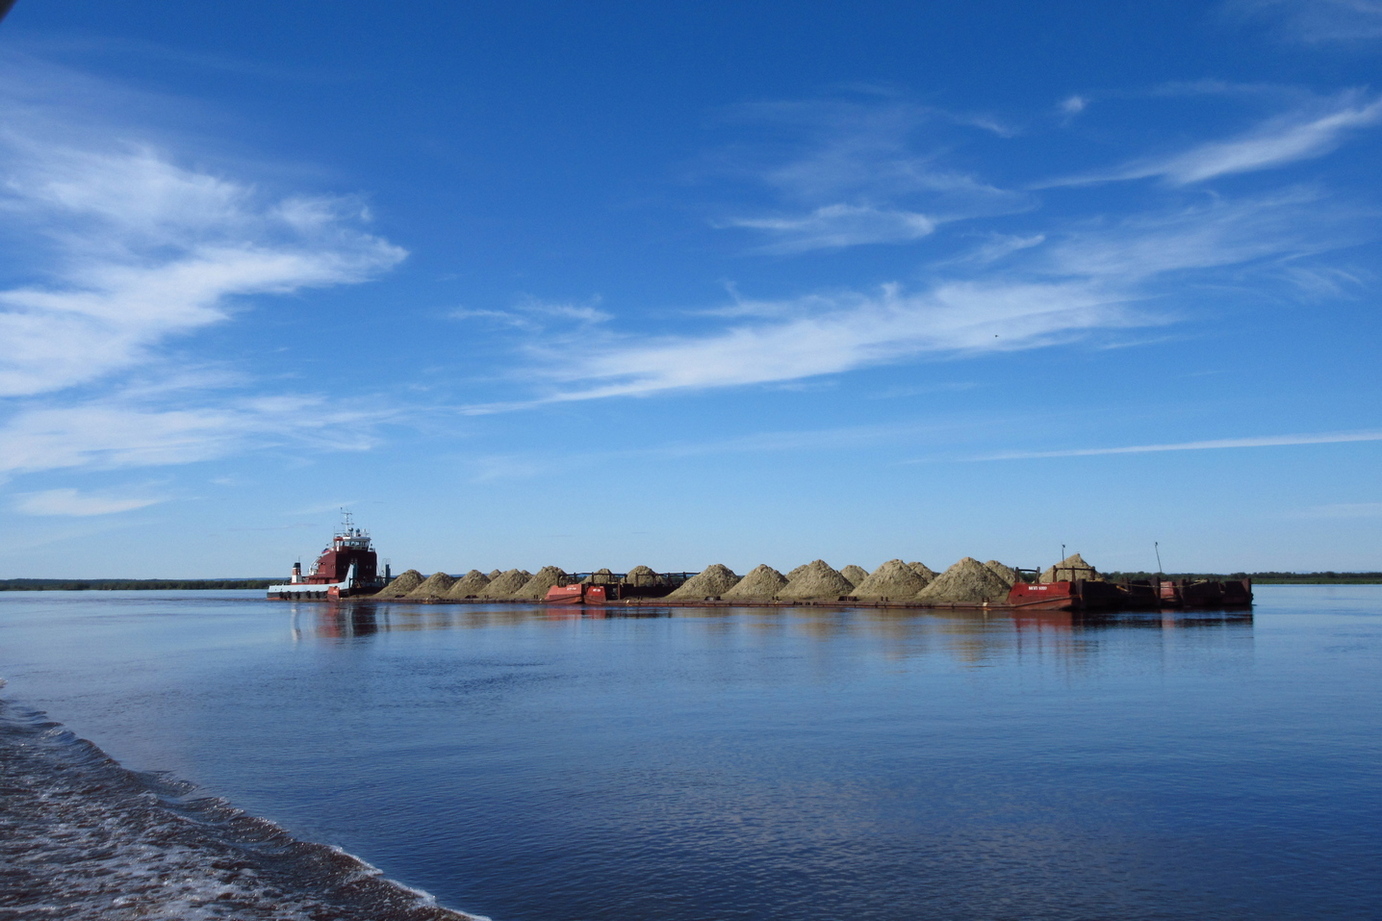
<point x="360" y="619"/>
<point x="974" y="638"/>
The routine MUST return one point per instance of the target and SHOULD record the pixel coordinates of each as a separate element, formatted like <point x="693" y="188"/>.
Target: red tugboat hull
<point x="348" y="567"/>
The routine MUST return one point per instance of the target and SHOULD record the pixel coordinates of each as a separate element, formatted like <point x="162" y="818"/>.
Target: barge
<point x="1072" y="593"/>
<point x="347" y="568"/>
<point x="604" y="586"/>
<point x="1151" y="595"/>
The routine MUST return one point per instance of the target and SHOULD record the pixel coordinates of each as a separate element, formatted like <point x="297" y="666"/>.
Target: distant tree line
<point x="81" y="585"/>
<point x="1262" y="578"/>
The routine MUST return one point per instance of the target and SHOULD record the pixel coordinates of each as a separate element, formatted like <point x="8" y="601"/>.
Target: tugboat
<point x="348" y="567"/>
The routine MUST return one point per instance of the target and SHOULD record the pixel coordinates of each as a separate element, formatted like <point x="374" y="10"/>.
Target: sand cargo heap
<point x="1071" y="584"/>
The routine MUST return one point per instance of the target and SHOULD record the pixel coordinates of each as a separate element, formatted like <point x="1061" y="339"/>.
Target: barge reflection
<point x="970" y="638"/>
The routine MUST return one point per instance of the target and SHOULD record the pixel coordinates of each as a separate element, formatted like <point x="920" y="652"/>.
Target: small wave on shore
<point x="83" y="838"/>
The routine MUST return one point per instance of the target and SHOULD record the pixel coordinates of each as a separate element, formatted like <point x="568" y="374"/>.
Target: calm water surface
<point x="530" y="765"/>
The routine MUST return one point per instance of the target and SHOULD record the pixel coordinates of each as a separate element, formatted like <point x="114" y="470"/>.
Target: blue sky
<point x="609" y="284"/>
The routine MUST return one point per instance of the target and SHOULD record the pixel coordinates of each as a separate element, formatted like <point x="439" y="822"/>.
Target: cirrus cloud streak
<point x="71" y="503"/>
<point x="1302" y="134"/>
<point x="1217" y="444"/>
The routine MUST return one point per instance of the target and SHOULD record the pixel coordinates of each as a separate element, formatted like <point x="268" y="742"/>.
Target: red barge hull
<point x="1086" y="595"/>
<point x="581" y="593"/>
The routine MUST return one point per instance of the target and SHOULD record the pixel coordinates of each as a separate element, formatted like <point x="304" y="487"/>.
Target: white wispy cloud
<point x="1330" y="282"/>
<point x="1215" y="233"/>
<point x="860" y="172"/>
<point x="1316" y="21"/>
<point x="1302" y="134"/>
<point x="115" y="433"/>
<point x="143" y="249"/>
<point x="838" y="226"/>
<point x="123" y="241"/>
<point x="1100" y="278"/>
<point x="71" y="503"/>
<point x="998" y="246"/>
<point x="827" y="334"/>
<point x="1217" y="444"/>
<point x="533" y="314"/>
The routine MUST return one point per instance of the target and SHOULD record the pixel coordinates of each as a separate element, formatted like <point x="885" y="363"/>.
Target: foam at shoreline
<point x="83" y="838"/>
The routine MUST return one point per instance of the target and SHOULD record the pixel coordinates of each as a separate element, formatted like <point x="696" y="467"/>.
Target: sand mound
<point x="761" y="584"/>
<point x="535" y="589"/>
<point x="893" y="581"/>
<point x="711" y="582"/>
<point x="643" y="577"/>
<point x="494" y="574"/>
<point x="506" y="583"/>
<point x="435" y="585"/>
<point x="967" y="581"/>
<point x="855" y="574"/>
<point x="798" y="571"/>
<point x="600" y="577"/>
<point x="401" y="585"/>
<point x="1006" y="573"/>
<point x="926" y="572"/>
<point x="817" y="580"/>
<point x="472" y="583"/>
<point x="1071" y="568"/>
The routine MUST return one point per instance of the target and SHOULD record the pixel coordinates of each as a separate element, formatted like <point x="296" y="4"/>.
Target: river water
<point x="528" y="764"/>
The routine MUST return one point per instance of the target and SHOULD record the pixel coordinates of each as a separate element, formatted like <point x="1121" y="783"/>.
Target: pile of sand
<point x="505" y="584"/>
<point x="535" y="589"/>
<point x="855" y="574"/>
<point x="761" y="584"/>
<point x="643" y="577"/>
<point x="494" y="574"/>
<point x="401" y="585"/>
<point x="711" y="582"/>
<point x="798" y="571"/>
<point x="600" y="577"/>
<point x="436" y="585"/>
<point x="816" y="580"/>
<point x="469" y="585"/>
<point x="1006" y="573"/>
<point x="967" y="581"/>
<point x="893" y="581"/>
<point x="1071" y="568"/>
<point x="921" y="569"/>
